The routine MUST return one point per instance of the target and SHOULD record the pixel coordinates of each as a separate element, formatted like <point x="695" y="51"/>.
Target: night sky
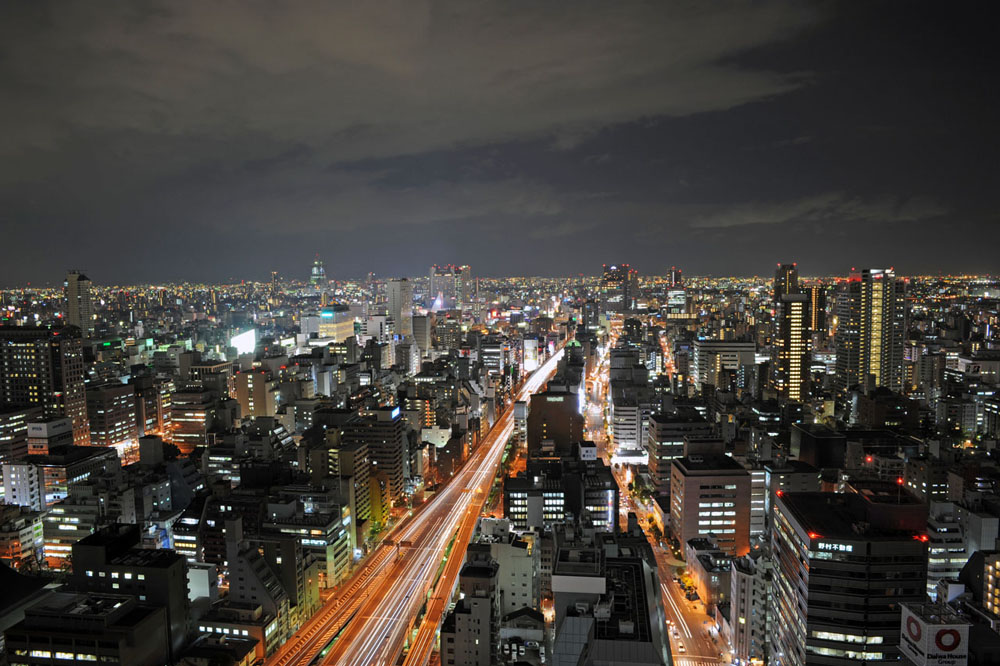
<point x="155" y="141"/>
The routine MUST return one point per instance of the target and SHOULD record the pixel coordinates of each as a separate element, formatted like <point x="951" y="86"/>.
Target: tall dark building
<point x="43" y="366"/>
<point x="79" y="307"/>
<point x="554" y="424"/>
<point x="871" y="330"/>
<point x="843" y="564"/>
<point x="676" y="277"/>
<point x="786" y="281"/>
<point x="619" y="288"/>
<point x="817" y="308"/>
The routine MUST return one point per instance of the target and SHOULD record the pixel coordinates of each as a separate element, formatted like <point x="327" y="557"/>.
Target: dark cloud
<point x="168" y="140"/>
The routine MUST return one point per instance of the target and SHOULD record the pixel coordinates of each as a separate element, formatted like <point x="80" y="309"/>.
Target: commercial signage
<point x="933" y="643"/>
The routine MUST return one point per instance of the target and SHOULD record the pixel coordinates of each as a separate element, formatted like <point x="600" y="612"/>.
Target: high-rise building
<point x="871" y="330"/>
<point x="786" y="281"/>
<point x="619" y="288"/>
<point x="384" y="431"/>
<point x="399" y="294"/>
<point x="791" y="346"/>
<point x="317" y="274"/>
<point x="676" y="277"/>
<point x="79" y="308"/>
<point x="844" y="563"/>
<point x="449" y="287"/>
<point x="817" y="309"/>
<point x="42" y="366"/>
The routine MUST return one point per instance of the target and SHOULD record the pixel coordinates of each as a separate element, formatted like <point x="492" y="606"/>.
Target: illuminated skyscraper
<point x="792" y="346"/>
<point x="817" y="308"/>
<point x="871" y="327"/>
<point x="449" y="286"/>
<point x="79" y="308"/>
<point x="676" y="277"/>
<point x="786" y="281"/>
<point x="619" y="288"/>
<point x="399" y="294"/>
<point x="317" y="276"/>
<point x="41" y="366"/>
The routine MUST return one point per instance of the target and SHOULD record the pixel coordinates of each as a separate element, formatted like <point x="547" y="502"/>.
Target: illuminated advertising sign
<point x="245" y="343"/>
<point x="933" y="643"/>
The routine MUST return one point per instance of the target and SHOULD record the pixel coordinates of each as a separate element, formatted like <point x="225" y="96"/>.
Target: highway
<point x="376" y="608"/>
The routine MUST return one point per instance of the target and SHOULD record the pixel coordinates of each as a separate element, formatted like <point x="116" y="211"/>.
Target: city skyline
<point x="172" y="142"/>
<point x="449" y="333"/>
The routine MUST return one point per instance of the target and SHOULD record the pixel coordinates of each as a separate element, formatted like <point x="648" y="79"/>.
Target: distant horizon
<point x="378" y="277"/>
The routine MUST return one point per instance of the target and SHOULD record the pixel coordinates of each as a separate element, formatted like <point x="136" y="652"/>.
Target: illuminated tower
<point x="676" y="277"/>
<point x="619" y="288"/>
<point x="317" y="276"/>
<point x="817" y="309"/>
<point x="79" y="308"/>
<point x="871" y="327"/>
<point x="791" y="347"/>
<point x="786" y="281"/>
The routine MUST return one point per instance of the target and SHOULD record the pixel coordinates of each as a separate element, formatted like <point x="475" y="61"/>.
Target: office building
<point x="43" y="366"/>
<point x="79" y="308"/>
<point x="383" y="430"/>
<point x="399" y="294"/>
<point x="47" y="433"/>
<point x="14" y="422"/>
<point x="110" y="561"/>
<point x="844" y="563"/>
<point x="554" y="424"/>
<point x="257" y="393"/>
<point x="711" y="357"/>
<point x="111" y="410"/>
<point x="710" y="497"/>
<point x="80" y="628"/>
<point x="550" y="492"/>
<point x="449" y="287"/>
<point x="619" y="288"/>
<point x="871" y="330"/>
<point x="665" y="442"/>
<point x="786" y="281"/>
